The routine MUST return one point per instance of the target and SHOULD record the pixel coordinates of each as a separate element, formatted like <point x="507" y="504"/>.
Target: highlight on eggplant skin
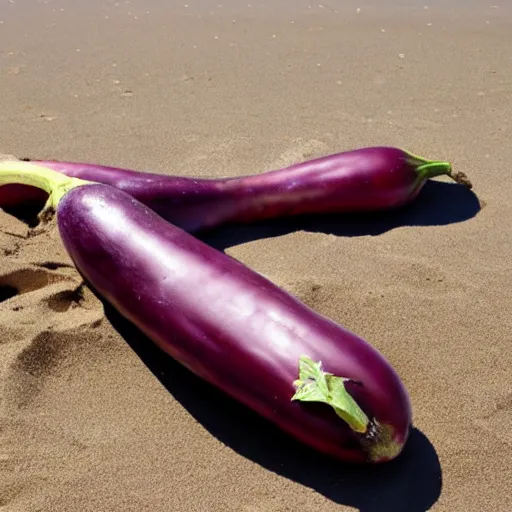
<point x="228" y="324"/>
<point x="360" y="180"/>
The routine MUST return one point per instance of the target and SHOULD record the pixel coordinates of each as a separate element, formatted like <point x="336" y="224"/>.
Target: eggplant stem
<point x="430" y="168"/>
<point x="316" y="385"/>
<point x="55" y="184"/>
<point x="462" y="178"/>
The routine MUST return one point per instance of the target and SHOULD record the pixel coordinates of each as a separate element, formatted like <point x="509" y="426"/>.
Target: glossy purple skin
<point x="225" y="322"/>
<point x="365" y="179"/>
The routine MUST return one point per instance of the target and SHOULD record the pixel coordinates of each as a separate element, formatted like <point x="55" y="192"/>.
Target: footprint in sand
<point x="34" y="298"/>
<point x="25" y="280"/>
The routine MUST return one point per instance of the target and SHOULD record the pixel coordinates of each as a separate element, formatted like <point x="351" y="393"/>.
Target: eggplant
<point x="361" y="180"/>
<point x="316" y="380"/>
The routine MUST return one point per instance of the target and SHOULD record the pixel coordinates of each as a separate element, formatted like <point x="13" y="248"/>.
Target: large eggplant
<point x="233" y="327"/>
<point x="361" y="180"/>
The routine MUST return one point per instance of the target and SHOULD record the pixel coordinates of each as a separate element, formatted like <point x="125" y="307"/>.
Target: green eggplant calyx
<point x="316" y="385"/>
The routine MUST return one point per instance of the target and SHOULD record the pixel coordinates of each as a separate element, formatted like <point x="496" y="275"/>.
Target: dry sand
<point x="92" y="417"/>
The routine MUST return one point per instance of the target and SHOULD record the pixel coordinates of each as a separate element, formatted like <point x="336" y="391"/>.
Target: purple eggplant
<point x="321" y="383"/>
<point x="361" y="180"/>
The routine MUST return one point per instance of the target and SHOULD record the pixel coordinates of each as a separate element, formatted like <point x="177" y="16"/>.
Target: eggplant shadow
<point x="410" y="483"/>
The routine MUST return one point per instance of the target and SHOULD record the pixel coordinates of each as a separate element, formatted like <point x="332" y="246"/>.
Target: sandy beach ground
<point x="94" y="418"/>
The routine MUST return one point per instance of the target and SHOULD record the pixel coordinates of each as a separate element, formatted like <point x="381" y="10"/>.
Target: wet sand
<point x="92" y="416"/>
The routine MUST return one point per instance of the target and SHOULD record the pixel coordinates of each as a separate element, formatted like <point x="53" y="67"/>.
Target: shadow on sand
<point x="411" y="483"/>
<point x="439" y="203"/>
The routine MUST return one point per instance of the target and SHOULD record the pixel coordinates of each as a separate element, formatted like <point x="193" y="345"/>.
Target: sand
<point x="92" y="416"/>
